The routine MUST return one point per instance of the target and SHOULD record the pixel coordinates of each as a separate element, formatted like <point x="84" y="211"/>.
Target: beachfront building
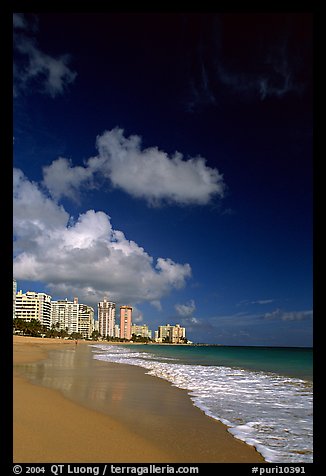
<point x="14" y="292"/>
<point x="178" y="334"/>
<point x="141" y="330"/>
<point x="164" y="333"/>
<point x="171" y="334"/>
<point x="32" y="305"/>
<point x="117" y="331"/>
<point x="45" y="309"/>
<point x="106" y="318"/>
<point x="125" y="322"/>
<point x="64" y="315"/>
<point x="85" y="320"/>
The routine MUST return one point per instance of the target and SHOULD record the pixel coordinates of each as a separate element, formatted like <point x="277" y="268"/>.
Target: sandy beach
<point x="69" y="407"/>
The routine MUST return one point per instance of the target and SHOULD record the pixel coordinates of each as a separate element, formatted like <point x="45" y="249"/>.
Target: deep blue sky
<point x="218" y="239"/>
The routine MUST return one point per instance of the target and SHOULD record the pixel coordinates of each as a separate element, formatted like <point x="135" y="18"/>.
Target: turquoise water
<point x="290" y="361"/>
<point x="263" y="394"/>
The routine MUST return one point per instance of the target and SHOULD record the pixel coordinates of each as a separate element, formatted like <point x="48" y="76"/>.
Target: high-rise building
<point x="27" y="306"/>
<point x="45" y="309"/>
<point x="85" y="320"/>
<point x="14" y="292"/>
<point x="106" y="318"/>
<point x="32" y="305"/>
<point x="64" y="315"/>
<point x="125" y="322"/>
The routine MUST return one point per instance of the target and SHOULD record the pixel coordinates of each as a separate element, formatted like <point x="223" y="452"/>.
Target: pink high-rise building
<point x="125" y="322"/>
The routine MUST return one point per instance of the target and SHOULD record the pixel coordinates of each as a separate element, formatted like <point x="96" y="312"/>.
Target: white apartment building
<point x="64" y="315"/>
<point x="45" y="309"/>
<point x="85" y="320"/>
<point x="32" y="305"/>
<point x="73" y="316"/>
<point x="106" y="318"/>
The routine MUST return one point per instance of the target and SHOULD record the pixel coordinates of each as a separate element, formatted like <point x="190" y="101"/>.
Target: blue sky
<point x="165" y="161"/>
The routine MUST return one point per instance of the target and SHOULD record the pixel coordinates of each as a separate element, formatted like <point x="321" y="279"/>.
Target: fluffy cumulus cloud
<point x="86" y="257"/>
<point x="34" y="67"/>
<point x="34" y="214"/>
<point x="64" y="180"/>
<point x="150" y="174"/>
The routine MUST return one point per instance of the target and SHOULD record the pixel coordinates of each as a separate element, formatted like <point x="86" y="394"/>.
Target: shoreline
<point x="68" y="407"/>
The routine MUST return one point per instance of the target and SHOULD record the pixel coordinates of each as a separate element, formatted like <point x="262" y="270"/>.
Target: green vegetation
<point x="95" y="335"/>
<point x="134" y="338"/>
<point x="34" y="328"/>
<point x="137" y="338"/>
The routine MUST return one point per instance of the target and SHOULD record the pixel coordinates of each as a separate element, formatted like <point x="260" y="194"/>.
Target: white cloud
<point x="149" y="173"/>
<point x="64" y="180"/>
<point x="157" y="305"/>
<point x="31" y="64"/>
<point x="153" y="175"/>
<point x="289" y="316"/>
<point x="247" y="302"/>
<point x="137" y="315"/>
<point x="86" y="257"/>
<point x="186" y="309"/>
<point x="34" y="214"/>
<point x="197" y="326"/>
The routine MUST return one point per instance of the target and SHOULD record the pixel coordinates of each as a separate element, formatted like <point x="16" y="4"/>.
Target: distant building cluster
<point x="70" y="316"/>
<point x="170" y="334"/>
<point x="77" y="318"/>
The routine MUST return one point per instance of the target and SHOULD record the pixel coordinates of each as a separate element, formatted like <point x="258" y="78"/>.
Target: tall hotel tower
<point x="106" y="318"/>
<point x="64" y="314"/>
<point x="125" y="322"/>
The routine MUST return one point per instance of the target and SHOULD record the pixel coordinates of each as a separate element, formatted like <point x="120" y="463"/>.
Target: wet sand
<point x="69" y="407"/>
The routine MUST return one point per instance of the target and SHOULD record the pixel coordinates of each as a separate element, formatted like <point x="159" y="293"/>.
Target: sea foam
<point x="273" y="413"/>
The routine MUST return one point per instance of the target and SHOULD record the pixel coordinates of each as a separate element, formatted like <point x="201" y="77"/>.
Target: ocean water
<point x="263" y="394"/>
